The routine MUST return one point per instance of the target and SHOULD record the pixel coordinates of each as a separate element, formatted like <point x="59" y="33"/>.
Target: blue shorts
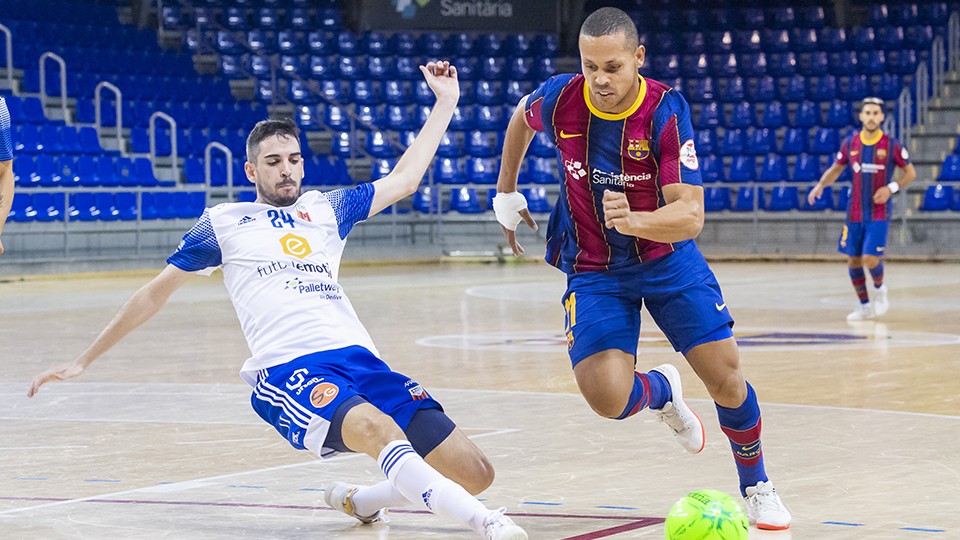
<point x="300" y="397"/>
<point x="864" y="238"/>
<point x="680" y="291"/>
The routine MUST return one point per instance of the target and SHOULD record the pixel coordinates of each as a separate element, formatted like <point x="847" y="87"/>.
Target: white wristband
<point x="507" y="207"/>
<point x="893" y="187"/>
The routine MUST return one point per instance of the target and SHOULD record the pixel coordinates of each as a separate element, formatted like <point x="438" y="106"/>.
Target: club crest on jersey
<point x="303" y="214"/>
<point x="881" y="154"/>
<point x="638" y="148"/>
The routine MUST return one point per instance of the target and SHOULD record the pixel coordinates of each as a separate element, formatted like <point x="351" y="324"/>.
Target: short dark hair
<point x="872" y="101"/>
<point x="610" y="20"/>
<point x="267" y="128"/>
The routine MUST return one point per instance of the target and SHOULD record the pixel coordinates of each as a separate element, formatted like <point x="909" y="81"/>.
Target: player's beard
<point x="275" y="198"/>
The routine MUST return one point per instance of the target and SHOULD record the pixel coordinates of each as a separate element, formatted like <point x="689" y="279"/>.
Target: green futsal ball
<point x="707" y="515"/>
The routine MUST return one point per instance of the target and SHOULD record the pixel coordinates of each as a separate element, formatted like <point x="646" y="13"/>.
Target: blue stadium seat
<point x="852" y="88"/>
<point x="399" y="118"/>
<point x="747" y="41"/>
<point x="776" y="40"/>
<point x="517" y="69"/>
<point x="742" y="169"/>
<point x="488" y="92"/>
<point x="803" y="40"/>
<point x="863" y="38"/>
<point x="774" y="169"/>
<point x="814" y="63"/>
<point x="918" y="37"/>
<point x="539" y="171"/>
<point x="403" y="44"/>
<point x="711" y="168"/>
<point x="705" y="141"/>
<point x="783" y="199"/>
<point x="537" y="200"/>
<point x="937" y="198"/>
<point x="320" y="43"/>
<point x="872" y="62"/>
<point x="545" y="45"/>
<point x="125" y="204"/>
<point x="761" y="141"/>
<point x="21" y="209"/>
<point x="666" y="66"/>
<point x="752" y="18"/>
<point x="482" y="170"/>
<point x="794" y="141"/>
<point x="465" y="201"/>
<point x="447" y="170"/>
<point x="890" y="38"/>
<point x="950" y="170"/>
<point x="397" y="92"/>
<point x="724" y="65"/>
<point x="482" y="143"/>
<point x="732" y="143"/>
<point x="82" y="207"/>
<point x="695" y="66"/>
<point x="106" y="207"/>
<point x="782" y="17"/>
<point x="379" y="68"/>
<point x="743" y="115"/>
<point x="732" y="90"/>
<point x="425" y="202"/>
<point x="807" y="115"/>
<point x="336" y="118"/>
<point x="783" y="64"/>
<point x="700" y="90"/>
<point x="822" y="88"/>
<point x="752" y="65"/>
<point x="839" y="114"/>
<point x="747" y="197"/>
<point x="811" y="17"/>
<point x="349" y="68"/>
<point x="774" y="115"/>
<point x="825" y="202"/>
<point x="806" y="168"/>
<point x="903" y="62"/>
<point x="430" y="44"/>
<point x="825" y="141"/>
<point x="379" y="146"/>
<point x="762" y="89"/>
<point x="490" y="118"/>
<point x="48" y="206"/>
<point x="794" y="90"/>
<point x="541" y="146"/>
<point x="67" y="174"/>
<point x="843" y="198"/>
<point x="459" y="44"/>
<point x="143" y="173"/>
<point x="887" y="86"/>
<point x="381" y="168"/>
<point x="341" y="145"/>
<point x="320" y="67"/>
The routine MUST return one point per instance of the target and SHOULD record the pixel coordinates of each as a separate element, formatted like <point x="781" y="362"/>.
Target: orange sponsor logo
<point x="322" y="394"/>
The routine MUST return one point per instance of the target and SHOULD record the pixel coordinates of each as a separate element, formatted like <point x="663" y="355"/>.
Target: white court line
<point x="218" y="441"/>
<point x="40" y="447"/>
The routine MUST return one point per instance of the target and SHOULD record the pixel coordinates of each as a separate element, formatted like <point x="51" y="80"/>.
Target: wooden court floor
<point x="157" y="440"/>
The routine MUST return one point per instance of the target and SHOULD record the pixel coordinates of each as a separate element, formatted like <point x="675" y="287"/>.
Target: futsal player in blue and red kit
<point x="630" y="205"/>
<point x="873" y="155"/>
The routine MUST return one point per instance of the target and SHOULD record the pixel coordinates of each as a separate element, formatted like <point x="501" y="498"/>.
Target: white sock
<point x="368" y="500"/>
<point x="422" y="485"/>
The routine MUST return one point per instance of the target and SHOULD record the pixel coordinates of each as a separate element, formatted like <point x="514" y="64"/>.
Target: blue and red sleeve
<point x="538" y="111"/>
<point x="674" y="142"/>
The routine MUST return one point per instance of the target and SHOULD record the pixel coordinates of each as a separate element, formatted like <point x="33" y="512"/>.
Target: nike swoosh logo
<point x="720" y="306"/>
<point x="751" y="447"/>
<point x="854" y="153"/>
<point x="880" y="249"/>
<point x="565" y="135"/>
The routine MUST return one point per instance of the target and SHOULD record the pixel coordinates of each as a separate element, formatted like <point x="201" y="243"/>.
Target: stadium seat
<point x="794" y="90"/>
<point x="839" y="114"/>
<point x="814" y="64"/>
<point x="794" y="141"/>
<point x="742" y="169"/>
<point x="903" y="62"/>
<point x="950" y="170"/>
<point x="825" y="141"/>
<point x="716" y="198"/>
<point x="782" y="64"/>
<point x="747" y="197"/>
<point x="753" y="65"/>
<point x="843" y="198"/>
<point x="666" y="66"/>
<point x="21" y="209"/>
<point x="937" y="198"/>
<point x="783" y="199"/>
<point x="872" y="62"/>
<point x="742" y="116"/>
<point x="403" y="44"/>
<point x="482" y="143"/>
<point x="711" y="168"/>
<point x="695" y="66"/>
<point x="705" y="141"/>
<point x="918" y="37"/>
<point x="852" y="88"/>
<point x="465" y="201"/>
<point x="482" y="170"/>
<point x="447" y="170"/>
<point x="774" y="169"/>
<point x="822" y="88"/>
<point x="825" y="202"/>
<point x="747" y="41"/>
<point x="803" y="40"/>
<point x="762" y="89"/>
<point x="700" y="90"/>
<point x="890" y="38"/>
<point x="811" y="17"/>
<point x="806" y="168"/>
<point x="379" y="146"/>
<point x="761" y="141"/>
<point x="776" y="40"/>
<point x="490" y="118"/>
<point x="732" y="143"/>
<point x="425" y="202"/>
<point x="539" y="171"/>
<point x="82" y="207"/>
<point x="537" y="201"/>
<point x="774" y="115"/>
<point x="807" y="115"/>
<point x="47" y="206"/>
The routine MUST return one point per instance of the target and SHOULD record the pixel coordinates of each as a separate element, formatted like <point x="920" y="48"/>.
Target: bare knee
<point x="729" y="390"/>
<point x="365" y="429"/>
<point x="479" y="476"/>
<point x="871" y="261"/>
<point x="605" y="381"/>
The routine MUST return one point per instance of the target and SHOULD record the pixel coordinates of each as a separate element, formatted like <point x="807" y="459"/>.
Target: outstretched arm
<point x="827" y="179"/>
<point x="405" y="178"/>
<point x="680" y="219"/>
<point x="143" y="305"/>
<point x="509" y="205"/>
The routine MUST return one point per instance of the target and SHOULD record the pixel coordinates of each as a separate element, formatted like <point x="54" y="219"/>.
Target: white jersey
<point x="280" y="266"/>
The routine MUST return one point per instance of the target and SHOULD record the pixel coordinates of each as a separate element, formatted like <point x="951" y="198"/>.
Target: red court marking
<point x="635" y="521"/>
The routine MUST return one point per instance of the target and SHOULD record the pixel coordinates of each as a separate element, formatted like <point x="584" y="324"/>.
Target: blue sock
<point x="877" y="274"/>
<point x="742" y="427"/>
<point x="649" y="389"/>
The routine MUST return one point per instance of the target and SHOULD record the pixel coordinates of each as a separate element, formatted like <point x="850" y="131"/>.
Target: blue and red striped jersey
<point x="873" y="164"/>
<point x="6" y="141"/>
<point x="648" y="146"/>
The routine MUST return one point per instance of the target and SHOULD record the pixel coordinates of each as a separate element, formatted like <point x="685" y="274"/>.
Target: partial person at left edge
<point x="6" y="167"/>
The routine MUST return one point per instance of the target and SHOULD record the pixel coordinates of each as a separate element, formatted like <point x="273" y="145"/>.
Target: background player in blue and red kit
<point x="873" y="155"/>
<point x="6" y="167"/>
<point x="630" y="204"/>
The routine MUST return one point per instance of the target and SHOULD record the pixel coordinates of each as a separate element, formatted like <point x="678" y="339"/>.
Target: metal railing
<point x="208" y="176"/>
<point x="953" y="42"/>
<point x="98" y="113"/>
<point x="175" y="161"/>
<point x="63" y="83"/>
<point x="8" y="38"/>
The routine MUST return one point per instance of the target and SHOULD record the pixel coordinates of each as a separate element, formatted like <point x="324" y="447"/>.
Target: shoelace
<point x="767" y="498"/>
<point x="672" y="418"/>
<point x="493" y="521"/>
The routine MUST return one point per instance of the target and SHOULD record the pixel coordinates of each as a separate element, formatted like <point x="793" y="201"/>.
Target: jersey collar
<point x="619" y="116"/>
<point x="869" y="142"/>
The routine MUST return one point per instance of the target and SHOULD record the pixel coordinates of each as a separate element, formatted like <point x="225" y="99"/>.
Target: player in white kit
<point x="317" y="375"/>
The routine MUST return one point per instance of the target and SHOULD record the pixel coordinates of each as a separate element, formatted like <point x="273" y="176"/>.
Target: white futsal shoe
<point x="339" y="496"/>
<point x="498" y="526"/>
<point x="685" y="424"/>
<point x="765" y="509"/>
<point x="862" y="313"/>
<point x="880" y="302"/>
